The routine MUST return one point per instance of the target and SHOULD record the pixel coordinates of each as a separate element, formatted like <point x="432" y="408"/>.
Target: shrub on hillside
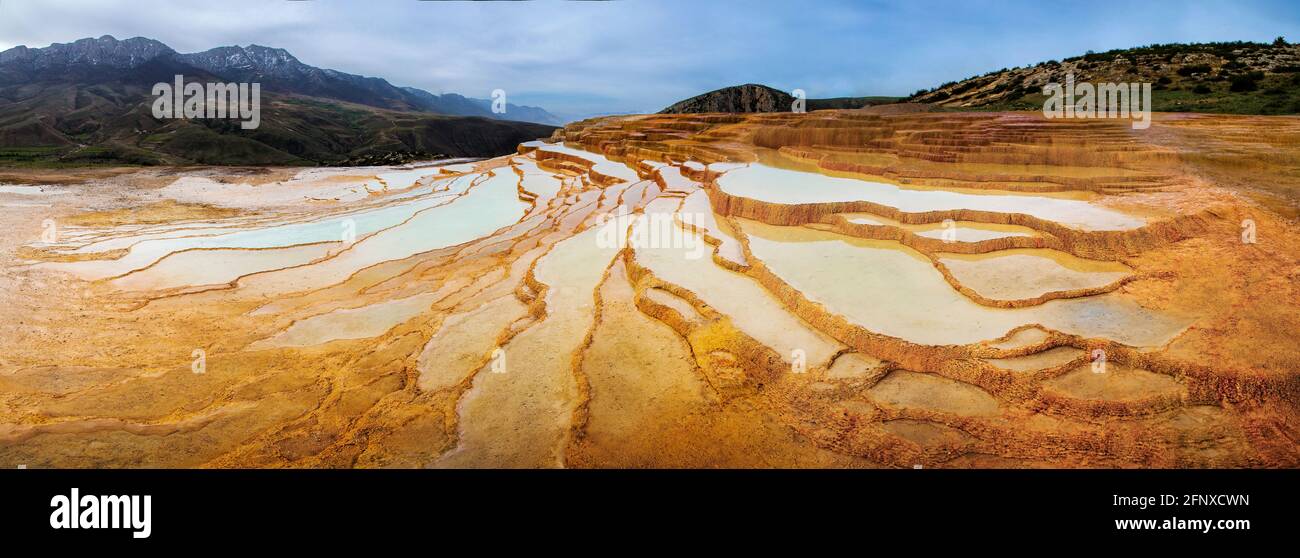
<point x="1194" y="69"/>
<point x="1243" y="83"/>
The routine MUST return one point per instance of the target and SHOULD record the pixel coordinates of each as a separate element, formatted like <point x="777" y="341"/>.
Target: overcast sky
<point x="578" y="58"/>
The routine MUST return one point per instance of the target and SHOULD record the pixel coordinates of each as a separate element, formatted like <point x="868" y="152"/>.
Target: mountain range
<point x="89" y="100"/>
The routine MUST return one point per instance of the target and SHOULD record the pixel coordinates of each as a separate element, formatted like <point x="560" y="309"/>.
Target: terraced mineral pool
<point x="145" y="252"/>
<point x="781" y="186"/>
<point x="442" y="185"/>
<point x="600" y="163"/>
<point x="674" y="181"/>
<point x="212" y="267"/>
<point x="489" y="205"/>
<point x="1029" y="273"/>
<point x="913" y="390"/>
<point x="854" y="365"/>
<point x="535" y="383"/>
<point x="751" y="308"/>
<point x="674" y="302"/>
<point x="27" y="190"/>
<point x="407" y="178"/>
<point x="99" y="240"/>
<point x="1022" y="338"/>
<point x="926" y="434"/>
<point x="971" y="231"/>
<point x="458" y="167"/>
<point x="1116" y="383"/>
<point x="317" y="184"/>
<point x="540" y="182"/>
<point x="963" y="231"/>
<point x="463" y="340"/>
<point x="349" y="323"/>
<point x="398" y="180"/>
<point x="888" y="288"/>
<point x="870" y="219"/>
<point x="1041" y="360"/>
<point x="696" y="206"/>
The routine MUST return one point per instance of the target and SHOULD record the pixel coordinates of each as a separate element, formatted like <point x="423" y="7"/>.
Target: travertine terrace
<point x="834" y="289"/>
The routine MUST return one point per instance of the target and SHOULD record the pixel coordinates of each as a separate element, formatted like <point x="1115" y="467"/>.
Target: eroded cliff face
<point x="740" y="98"/>
<point x="834" y="289"/>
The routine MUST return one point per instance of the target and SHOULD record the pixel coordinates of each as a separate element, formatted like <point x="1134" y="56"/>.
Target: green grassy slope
<point x="1234" y="77"/>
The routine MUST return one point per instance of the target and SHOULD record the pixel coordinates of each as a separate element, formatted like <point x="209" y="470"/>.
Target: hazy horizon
<point x="582" y="58"/>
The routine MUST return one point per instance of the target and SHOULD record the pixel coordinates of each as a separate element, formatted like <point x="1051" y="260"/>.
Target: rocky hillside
<point x="89" y="102"/>
<point x="753" y="97"/>
<point x="1235" y="77"/>
<point x="750" y="97"/>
